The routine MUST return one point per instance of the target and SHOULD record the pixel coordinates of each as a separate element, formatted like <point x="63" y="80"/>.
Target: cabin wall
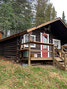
<point x="37" y="33"/>
<point x="9" y="48"/>
<point x="1" y="49"/>
<point x="38" y="38"/>
<point x="38" y="47"/>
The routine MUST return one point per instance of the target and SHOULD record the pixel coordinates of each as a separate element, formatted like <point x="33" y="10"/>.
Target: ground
<point x="15" y="76"/>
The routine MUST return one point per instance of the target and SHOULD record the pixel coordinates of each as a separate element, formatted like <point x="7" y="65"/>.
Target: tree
<point x="63" y="17"/>
<point x="5" y="20"/>
<point x="54" y="13"/>
<point x="44" y="11"/>
<point x="40" y="11"/>
<point x="22" y="8"/>
<point x="48" y="12"/>
<point x="15" y="16"/>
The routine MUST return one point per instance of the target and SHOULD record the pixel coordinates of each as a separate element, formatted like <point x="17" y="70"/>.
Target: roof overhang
<point x="47" y="23"/>
<point x="56" y="24"/>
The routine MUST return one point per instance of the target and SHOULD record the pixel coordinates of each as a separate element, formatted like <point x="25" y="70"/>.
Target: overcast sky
<point x="60" y="6"/>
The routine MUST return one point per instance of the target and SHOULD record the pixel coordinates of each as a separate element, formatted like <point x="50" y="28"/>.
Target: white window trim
<point x="58" y="41"/>
<point x="26" y="45"/>
<point x="34" y="40"/>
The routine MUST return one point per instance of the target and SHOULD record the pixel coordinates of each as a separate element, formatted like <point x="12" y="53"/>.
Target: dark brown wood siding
<point x="1" y="49"/>
<point x="9" y="48"/>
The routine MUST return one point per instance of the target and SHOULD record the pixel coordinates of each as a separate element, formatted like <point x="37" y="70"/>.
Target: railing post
<point x="61" y="50"/>
<point x="65" y="61"/>
<point x="29" y="57"/>
<point x="53" y="55"/>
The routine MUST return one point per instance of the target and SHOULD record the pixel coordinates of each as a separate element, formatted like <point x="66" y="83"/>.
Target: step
<point x="58" y="59"/>
<point x="60" y="64"/>
<point x="66" y="69"/>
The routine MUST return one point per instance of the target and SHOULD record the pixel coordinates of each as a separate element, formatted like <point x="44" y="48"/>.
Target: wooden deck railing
<point x="29" y="49"/>
<point x="54" y="51"/>
<point x="64" y="48"/>
<point x="61" y="54"/>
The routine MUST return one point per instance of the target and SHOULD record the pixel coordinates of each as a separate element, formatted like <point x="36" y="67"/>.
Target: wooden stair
<point x="60" y="63"/>
<point x="60" y="58"/>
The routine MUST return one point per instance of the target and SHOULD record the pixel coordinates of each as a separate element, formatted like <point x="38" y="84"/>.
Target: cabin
<point x="44" y="42"/>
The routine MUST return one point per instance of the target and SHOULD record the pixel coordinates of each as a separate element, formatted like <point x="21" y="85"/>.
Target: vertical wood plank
<point x="20" y="41"/>
<point x="18" y="47"/>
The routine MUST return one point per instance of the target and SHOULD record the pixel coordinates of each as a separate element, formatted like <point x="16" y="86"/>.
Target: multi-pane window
<point x="33" y="38"/>
<point x="26" y="39"/>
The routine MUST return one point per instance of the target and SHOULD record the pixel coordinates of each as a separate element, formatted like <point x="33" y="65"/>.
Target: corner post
<point x="65" y="60"/>
<point x="53" y="55"/>
<point x="61" y="50"/>
<point x="29" y="57"/>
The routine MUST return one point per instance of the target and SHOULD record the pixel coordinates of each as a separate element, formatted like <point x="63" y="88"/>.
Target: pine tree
<point x="54" y="13"/>
<point x="15" y="15"/>
<point x="63" y="17"/>
<point x="48" y="12"/>
<point x="44" y="11"/>
<point x="40" y="11"/>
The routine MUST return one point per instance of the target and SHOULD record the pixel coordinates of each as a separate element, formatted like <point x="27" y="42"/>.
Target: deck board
<point x="46" y="58"/>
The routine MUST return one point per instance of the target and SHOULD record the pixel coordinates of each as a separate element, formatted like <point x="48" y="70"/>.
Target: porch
<point x="59" y="57"/>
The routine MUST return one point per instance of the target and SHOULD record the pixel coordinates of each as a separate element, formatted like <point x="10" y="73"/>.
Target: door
<point x="44" y="39"/>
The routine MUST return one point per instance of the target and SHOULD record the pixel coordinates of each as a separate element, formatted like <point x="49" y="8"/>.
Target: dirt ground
<point x="7" y="60"/>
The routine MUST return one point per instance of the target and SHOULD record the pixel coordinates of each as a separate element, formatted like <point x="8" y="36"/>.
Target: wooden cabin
<point x="44" y="42"/>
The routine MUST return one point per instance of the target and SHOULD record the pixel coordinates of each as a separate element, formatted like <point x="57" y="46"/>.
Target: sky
<point x="60" y="6"/>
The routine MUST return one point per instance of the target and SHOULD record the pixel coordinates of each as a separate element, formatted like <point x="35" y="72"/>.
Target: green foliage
<point x="40" y="11"/>
<point x="5" y="17"/>
<point x="63" y="17"/>
<point x="54" y="13"/>
<point x="2" y="59"/>
<point x="15" y="16"/>
<point x="44" y="11"/>
<point x="48" y="12"/>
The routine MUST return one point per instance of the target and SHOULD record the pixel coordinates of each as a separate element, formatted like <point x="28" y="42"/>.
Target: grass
<point x="14" y="76"/>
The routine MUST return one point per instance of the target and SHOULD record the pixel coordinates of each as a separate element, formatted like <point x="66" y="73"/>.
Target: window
<point x="25" y="39"/>
<point x="45" y="41"/>
<point x="33" y="38"/>
<point x="57" y="43"/>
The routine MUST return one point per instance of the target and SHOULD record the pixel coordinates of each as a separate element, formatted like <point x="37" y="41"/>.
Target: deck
<point x="39" y="59"/>
<point x="42" y="58"/>
<point x="59" y="57"/>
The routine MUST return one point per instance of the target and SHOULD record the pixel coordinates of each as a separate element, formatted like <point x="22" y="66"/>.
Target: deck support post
<point x="29" y="51"/>
<point x="61" y="50"/>
<point x="65" y="60"/>
<point x="53" y="55"/>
